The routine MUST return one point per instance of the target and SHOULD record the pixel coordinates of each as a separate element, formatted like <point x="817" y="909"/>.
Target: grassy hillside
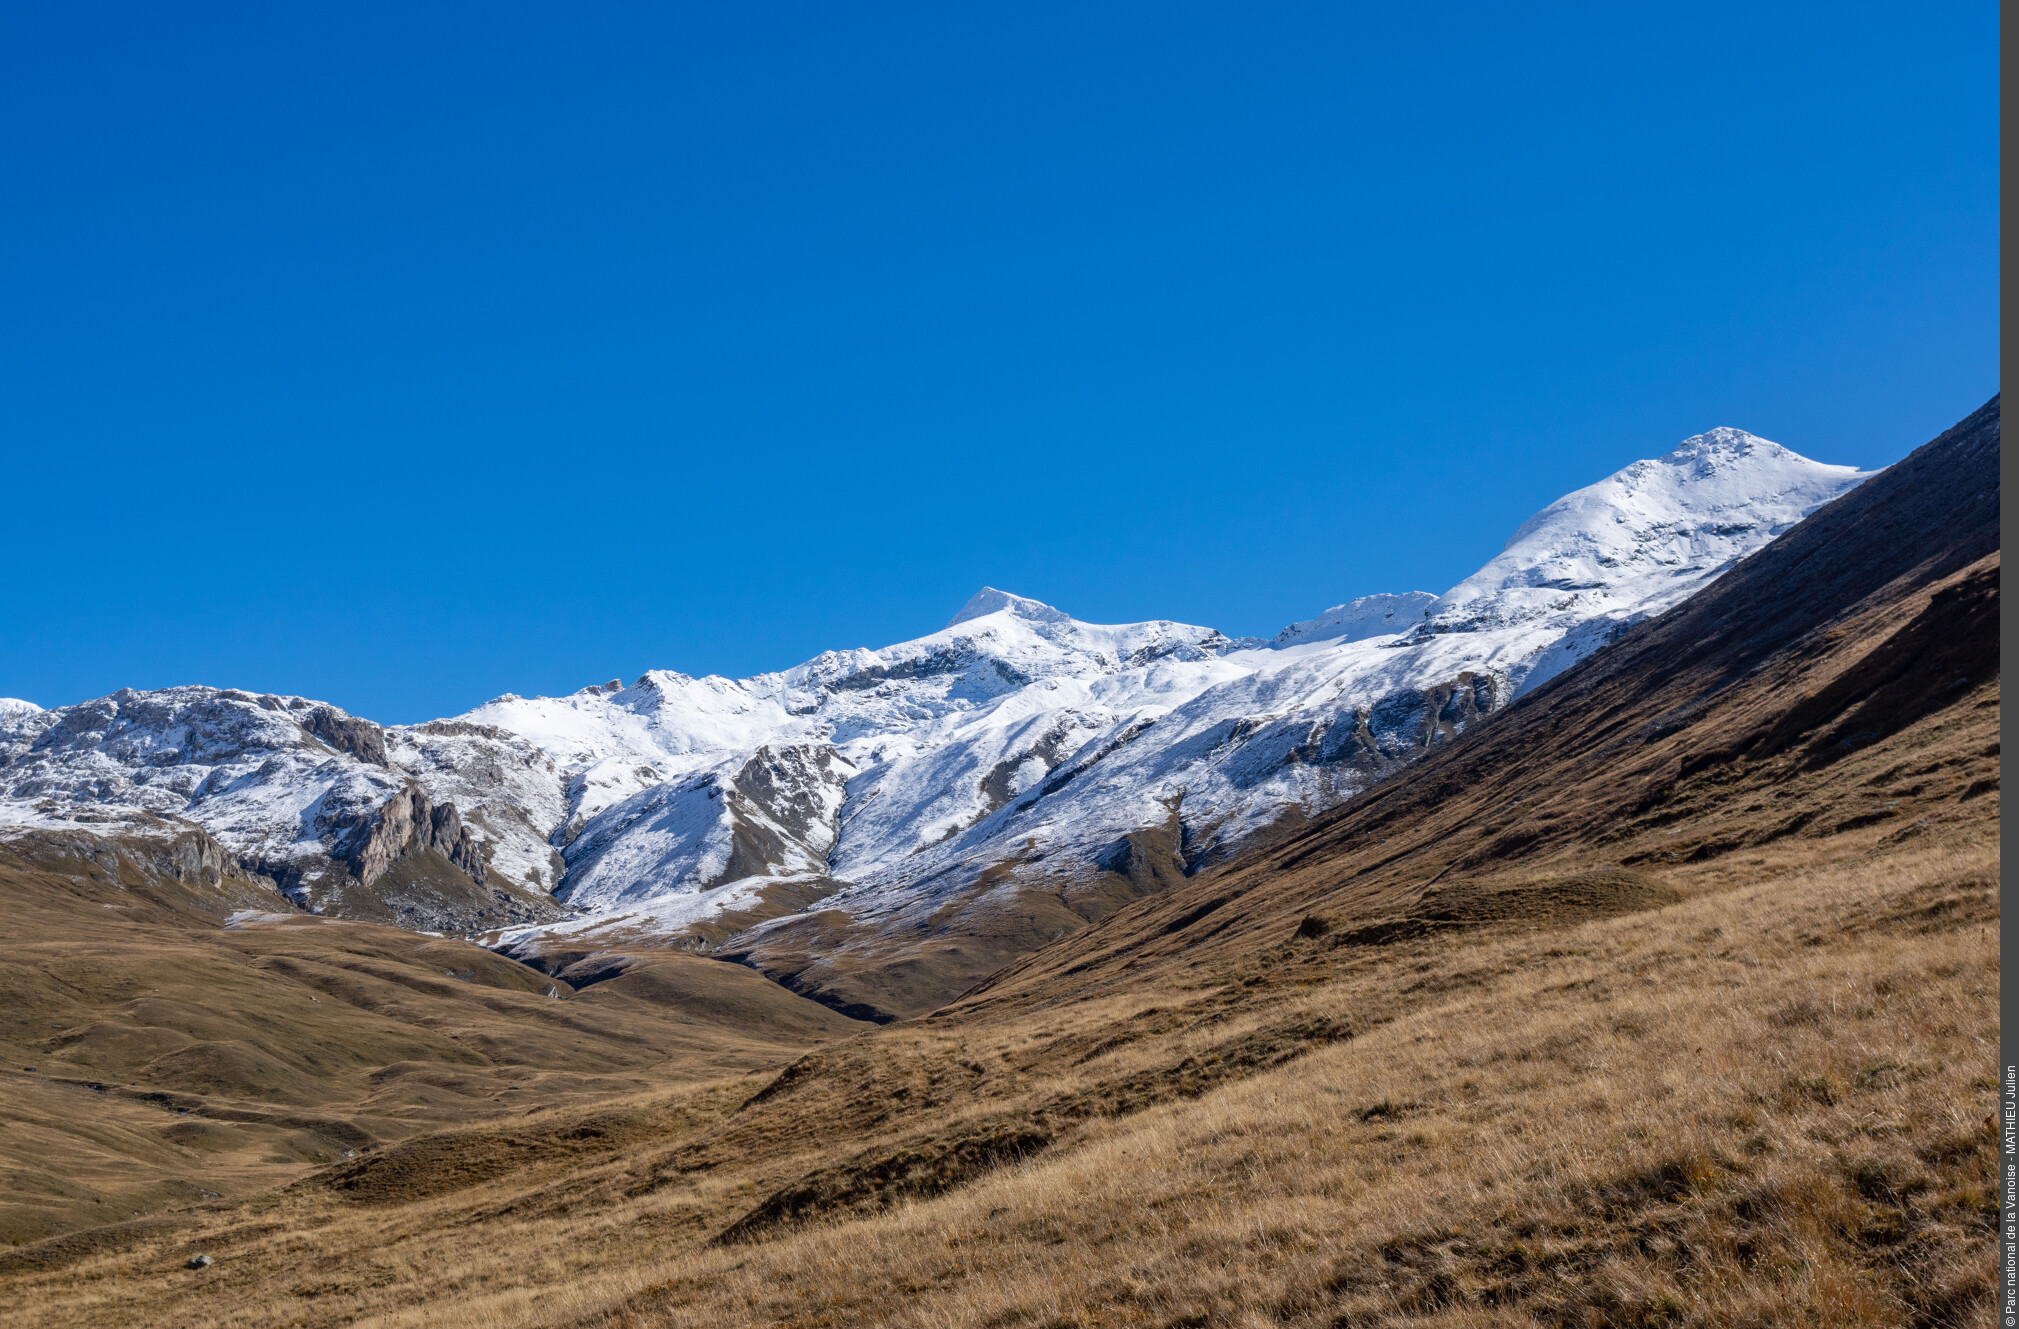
<point x="153" y="1057"/>
<point x="1764" y="1104"/>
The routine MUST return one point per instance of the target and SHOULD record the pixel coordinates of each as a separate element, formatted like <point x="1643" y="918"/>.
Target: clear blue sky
<point x="403" y="355"/>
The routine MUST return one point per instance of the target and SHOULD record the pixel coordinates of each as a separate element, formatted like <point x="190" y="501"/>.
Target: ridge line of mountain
<point x="889" y="785"/>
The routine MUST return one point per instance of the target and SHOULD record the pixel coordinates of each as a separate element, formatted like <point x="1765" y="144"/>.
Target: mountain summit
<point x="1722" y="446"/>
<point x="989" y="600"/>
<point x="1646" y="536"/>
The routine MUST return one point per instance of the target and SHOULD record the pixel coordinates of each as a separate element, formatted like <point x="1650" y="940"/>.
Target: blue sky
<point x="404" y="355"/>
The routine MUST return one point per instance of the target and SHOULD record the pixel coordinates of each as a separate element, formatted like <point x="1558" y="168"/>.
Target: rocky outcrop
<point x="774" y="815"/>
<point x="368" y="843"/>
<point x="193" y="858"/>
<point x="346" y="733"/>
<point x="797" y="786"/>
<point x="1404" y="725"/>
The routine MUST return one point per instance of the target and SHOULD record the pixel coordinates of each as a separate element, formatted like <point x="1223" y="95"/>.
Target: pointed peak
<point x="989" y="600"/>
<point x="1721" y="444"/>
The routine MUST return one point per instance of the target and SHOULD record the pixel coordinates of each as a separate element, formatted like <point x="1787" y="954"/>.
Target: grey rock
<point x="369" y="840"/>
<point x="346" y="733"/>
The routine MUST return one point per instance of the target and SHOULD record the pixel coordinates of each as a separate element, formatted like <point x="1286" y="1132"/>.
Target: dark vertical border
<point x="2008" y="1049"/>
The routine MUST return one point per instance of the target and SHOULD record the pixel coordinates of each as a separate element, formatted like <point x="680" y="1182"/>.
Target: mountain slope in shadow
<point x="1716" y="728"/>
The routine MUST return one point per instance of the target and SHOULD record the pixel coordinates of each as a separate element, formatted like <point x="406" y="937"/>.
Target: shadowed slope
<point x="1709" y="730"/>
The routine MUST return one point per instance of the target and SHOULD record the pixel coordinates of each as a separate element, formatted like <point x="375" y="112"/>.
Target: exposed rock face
<point x="212" y="785"/>
<point x="797" y="788"/>
<point x="407" y="823"/>
<point x="508" y="791"/>
<point x="774" y="815"/>
<point x="1018" y="772"/>
<point x="193" y="857"/>
<point x="1404" y="725"/>
<point x="184" y="870"/>
<point x="346" y="733"/>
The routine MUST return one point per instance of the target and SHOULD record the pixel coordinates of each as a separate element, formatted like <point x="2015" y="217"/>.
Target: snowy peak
<point x="989" y="600"/>
<point x="1646" y="535"/>
<point x="13" y="708"/>
<point x="1722" y="447"/>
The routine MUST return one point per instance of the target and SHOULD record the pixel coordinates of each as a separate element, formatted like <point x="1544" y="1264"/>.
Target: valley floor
<point x="1762" y="1105"/>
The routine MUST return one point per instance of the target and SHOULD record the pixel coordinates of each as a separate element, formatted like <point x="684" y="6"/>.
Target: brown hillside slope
<point x="1717" y="1113"/>
<point x="150" y="1057"/>
<point x="1699" y="1047"/>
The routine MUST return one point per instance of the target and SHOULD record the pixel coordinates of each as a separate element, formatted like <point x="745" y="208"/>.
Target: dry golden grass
<point x="1695" y="1116"/>
<point x="1763" y="1105"/>
<point x="150" y="1059"/>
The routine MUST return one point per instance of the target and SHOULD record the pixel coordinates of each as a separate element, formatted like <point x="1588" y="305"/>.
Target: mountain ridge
<point x="1015" y="747"/>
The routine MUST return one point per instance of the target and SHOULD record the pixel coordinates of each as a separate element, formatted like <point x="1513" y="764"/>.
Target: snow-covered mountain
<point x="1015" y="744"/>
<point x="299" y="791"/>
<point x="823" y="770"/>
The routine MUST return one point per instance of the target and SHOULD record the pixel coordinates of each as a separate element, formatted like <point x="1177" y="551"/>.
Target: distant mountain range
<point x="1017" y="765"/>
